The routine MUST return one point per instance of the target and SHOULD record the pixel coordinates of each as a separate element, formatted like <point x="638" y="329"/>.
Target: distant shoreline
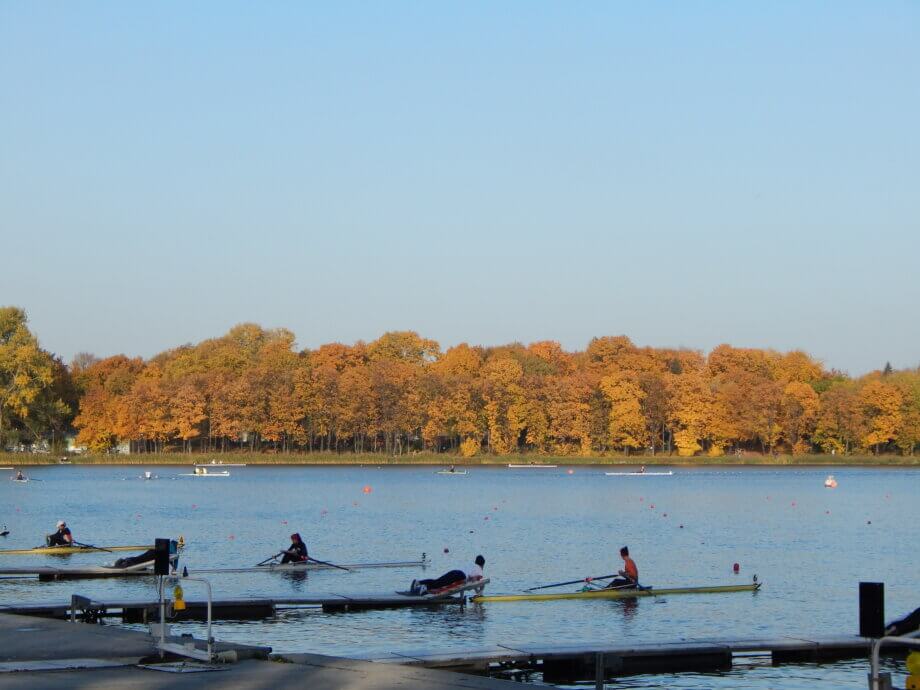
<point x="429" y="459"/>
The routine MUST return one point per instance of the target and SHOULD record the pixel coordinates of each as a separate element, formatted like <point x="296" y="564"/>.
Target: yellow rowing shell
<point x="619" y="593"/>
<point x="67" y="550"/>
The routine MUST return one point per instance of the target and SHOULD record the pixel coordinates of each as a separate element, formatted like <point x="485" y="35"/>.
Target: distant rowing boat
<point x="534" y="467"/>
<point x="68" y="550"/>
<point x="203" y="472"/>
<point x="460" y="472"/>
<point x="638" y="474"/>
<point x="619" y="593"/>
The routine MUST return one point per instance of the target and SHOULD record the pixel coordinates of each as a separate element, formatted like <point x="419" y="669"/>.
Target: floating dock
<point x="134" y="611"/>
<point x="599" y="661"/>
<point x="60" y="656"/>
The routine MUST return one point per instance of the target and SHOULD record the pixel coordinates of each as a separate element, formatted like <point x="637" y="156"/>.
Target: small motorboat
<point x="830" y="482"/>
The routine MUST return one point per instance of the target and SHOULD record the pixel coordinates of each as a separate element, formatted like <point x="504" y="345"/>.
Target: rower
<point x="19" y="476"/>
<point x="450" y="578"/>
<point x="62" y="537"/>
<point x="297" y="553"/>
<point x="629" y="576"/>
<point x="452" y="469"/>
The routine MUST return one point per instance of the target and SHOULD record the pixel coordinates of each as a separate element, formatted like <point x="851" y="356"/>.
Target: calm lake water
<point x="809" y="545"/>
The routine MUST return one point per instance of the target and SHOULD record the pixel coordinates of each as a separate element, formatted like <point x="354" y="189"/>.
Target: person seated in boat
<point x="297" y="553"/>
<point x="452" y="469"/>
<point x="642" y="469"/>
<point x="19" y="476"/>
<point x="62" y="537"/>
<point x="629" y="575"/>
<point x="450" y="578"/>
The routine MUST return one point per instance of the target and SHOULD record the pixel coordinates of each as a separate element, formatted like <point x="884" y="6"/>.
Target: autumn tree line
<point x="253" y="389"/>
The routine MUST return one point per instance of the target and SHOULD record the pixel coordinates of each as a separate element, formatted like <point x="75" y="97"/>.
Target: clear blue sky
<point x="686" y="173"/>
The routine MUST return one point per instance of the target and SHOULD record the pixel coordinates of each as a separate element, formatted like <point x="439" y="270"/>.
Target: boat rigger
<point x="618" y="593"/>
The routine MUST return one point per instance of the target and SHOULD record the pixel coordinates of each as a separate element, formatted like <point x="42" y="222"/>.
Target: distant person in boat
<point x="62" y="537"/>
<point x="297" y="553"/>
<point x="642" y="469"/>
<point x="452" y="469"/>
<point x="629" y="575"/>
<point x="19" y="476"/>
<point x="450" y="578"/>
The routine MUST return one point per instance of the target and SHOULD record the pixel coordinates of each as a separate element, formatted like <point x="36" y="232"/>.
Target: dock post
<point x="599" y="671"/>
<point x="871" y="609"/>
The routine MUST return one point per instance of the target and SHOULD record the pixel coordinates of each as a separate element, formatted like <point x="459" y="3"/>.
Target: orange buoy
<point x="367" y="489"/>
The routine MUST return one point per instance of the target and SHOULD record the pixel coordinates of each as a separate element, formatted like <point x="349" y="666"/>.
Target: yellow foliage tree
<point x="881" y="405"/>
<point x="627" y="425"/>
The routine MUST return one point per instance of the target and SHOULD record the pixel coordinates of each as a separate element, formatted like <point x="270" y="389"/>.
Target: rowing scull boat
<point x="68" y="550"/>
<point x="308" y="566"/>
<point x="619" y="593"/>
<point x="638" y="474"/>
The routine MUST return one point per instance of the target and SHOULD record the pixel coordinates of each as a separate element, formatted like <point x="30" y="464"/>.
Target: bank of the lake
<point x="442" y="459"/>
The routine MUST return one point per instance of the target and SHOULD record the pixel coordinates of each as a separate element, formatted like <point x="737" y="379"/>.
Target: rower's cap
<point x="61" y="523"/>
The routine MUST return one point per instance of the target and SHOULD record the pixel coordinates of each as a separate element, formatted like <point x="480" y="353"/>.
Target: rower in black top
<point x="62" y="537"/>
<point x="297" y="553"/>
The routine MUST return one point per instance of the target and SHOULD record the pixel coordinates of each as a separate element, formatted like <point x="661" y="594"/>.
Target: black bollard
<point x="871" y="609"/>
<point x="161" y="559"/>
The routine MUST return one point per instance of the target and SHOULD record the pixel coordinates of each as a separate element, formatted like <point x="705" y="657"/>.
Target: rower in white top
<point x="451" y="578"/>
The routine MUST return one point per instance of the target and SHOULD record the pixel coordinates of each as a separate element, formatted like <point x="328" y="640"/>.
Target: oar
<point x="572" y="582"/>
<point x="270" y="558"/>
<point x="91" y="546"/>
<point x="331" y="565"/>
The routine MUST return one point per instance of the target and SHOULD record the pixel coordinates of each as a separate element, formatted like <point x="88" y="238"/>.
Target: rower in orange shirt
<point x="629" y="576"/>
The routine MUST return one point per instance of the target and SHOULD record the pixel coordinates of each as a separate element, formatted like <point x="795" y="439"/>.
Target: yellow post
<point x="179" y="603"/>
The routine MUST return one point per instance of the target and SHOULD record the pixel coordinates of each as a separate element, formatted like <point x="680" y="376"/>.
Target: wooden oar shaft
<point x="90" y="546"/>
<point x="572" y="582"/>
<point x="331" y="565"/>
<point x="270" y="558"/>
